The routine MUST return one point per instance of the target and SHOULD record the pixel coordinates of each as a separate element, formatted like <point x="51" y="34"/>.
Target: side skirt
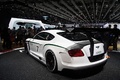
<point x="37" y="57"/>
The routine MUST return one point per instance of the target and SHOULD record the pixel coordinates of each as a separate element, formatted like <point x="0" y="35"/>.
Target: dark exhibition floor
<point x="17" y="65"/>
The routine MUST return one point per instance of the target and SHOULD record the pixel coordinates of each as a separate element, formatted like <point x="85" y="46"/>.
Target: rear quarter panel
<point x="60" y="53"/>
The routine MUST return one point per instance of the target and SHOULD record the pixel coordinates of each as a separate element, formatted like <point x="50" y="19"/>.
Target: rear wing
<point x="92" y="32"/>
<point x="102" y="34"/>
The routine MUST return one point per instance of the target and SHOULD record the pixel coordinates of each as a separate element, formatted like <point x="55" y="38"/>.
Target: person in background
<point x="115" y="38"/>
<point x="13" y="34"/>
<point x="6" y="38"/>
<point x="30" y="32"/>
<point x="19" y="35"/>
<point x="0" y="42"/>
<point x="35" y="31"/>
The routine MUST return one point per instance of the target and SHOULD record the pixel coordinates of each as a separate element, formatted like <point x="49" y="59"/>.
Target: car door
<point x="39" y="41"/>
<point x="33" y="45"/>
<point x="31" y="48"/>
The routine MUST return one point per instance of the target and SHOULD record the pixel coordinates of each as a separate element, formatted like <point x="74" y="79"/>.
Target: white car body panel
<point x="96" y="51"/>
<point x="60" y="46"/>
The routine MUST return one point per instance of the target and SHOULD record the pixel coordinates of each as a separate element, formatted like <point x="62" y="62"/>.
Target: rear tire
<point x="51" y="61"/>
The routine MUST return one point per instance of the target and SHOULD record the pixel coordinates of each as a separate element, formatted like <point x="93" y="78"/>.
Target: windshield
<point x="76" y="36"/>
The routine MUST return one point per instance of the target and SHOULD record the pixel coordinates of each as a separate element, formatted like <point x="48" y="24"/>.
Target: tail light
<point x="75" y="53"/>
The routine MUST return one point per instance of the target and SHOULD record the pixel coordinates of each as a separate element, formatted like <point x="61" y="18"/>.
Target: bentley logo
<point x="97" y="46"/>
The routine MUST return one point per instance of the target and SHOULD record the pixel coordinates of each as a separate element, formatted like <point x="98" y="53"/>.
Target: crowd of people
<point x="9" y="37"/>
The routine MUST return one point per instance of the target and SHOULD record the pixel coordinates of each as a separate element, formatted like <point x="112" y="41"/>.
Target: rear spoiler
<point x="91" y="32"/>
<point x="93" y="29"/>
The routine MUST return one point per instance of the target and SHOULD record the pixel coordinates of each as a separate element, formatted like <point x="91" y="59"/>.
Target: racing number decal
<point x="37" y="48"/>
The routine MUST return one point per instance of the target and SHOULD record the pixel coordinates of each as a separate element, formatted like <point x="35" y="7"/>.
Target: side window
<point x="44" y="36"/>
<point x="36" y="37"/>
<point x="49" y="37"/>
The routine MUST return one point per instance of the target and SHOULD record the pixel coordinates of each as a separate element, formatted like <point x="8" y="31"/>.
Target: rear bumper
<point x="84" y="65"/>
<point x="87" y="66"/>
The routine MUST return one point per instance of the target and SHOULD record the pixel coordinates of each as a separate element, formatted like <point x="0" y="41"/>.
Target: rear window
<point x="76" y="36"/>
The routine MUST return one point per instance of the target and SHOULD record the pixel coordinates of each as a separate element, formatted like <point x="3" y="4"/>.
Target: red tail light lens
<point x="75" y="53"/>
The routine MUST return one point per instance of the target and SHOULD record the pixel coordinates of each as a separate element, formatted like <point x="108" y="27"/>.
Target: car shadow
<point x="75" y="74"/>
<point x="79" y="74"/>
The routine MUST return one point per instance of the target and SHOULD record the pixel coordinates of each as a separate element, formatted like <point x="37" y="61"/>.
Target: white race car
<point x="59" y="50"/>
